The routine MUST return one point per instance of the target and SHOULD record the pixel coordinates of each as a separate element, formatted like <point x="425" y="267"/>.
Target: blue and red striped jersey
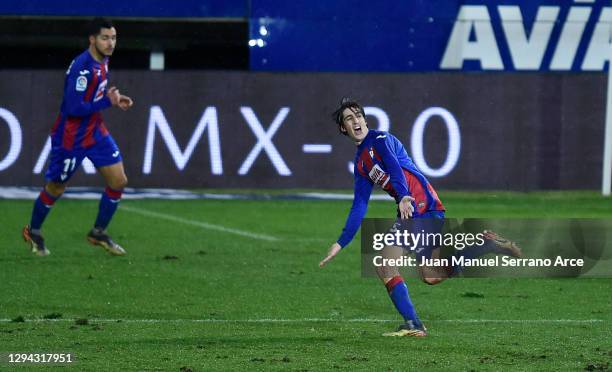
<point x="381" y="159"/>
<point x="79" y="123"/>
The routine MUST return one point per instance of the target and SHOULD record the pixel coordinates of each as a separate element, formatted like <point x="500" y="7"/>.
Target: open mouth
<point x="357" y="130"/>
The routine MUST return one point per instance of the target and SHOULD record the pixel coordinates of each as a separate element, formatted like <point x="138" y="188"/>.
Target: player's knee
<point x="124" y="181"/>
<point x="432" y="281"/>
<point x="55" y="189"/>
<point x="119" y="183"/>
<point x="386" y="273"/>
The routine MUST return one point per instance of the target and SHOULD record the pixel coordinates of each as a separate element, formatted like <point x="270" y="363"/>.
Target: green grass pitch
<point x="188" y="296"/>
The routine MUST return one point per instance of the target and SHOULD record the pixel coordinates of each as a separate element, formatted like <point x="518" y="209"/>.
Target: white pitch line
<point x="314" y="320"/>
<point x="204" y="225"/>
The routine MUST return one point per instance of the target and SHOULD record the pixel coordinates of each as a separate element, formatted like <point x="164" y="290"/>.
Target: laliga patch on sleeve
<point x="81" y="84"/>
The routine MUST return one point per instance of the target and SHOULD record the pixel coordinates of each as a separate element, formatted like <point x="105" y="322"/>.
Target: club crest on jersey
<point x="81" y="84"/>
<point x="371" y="153"/>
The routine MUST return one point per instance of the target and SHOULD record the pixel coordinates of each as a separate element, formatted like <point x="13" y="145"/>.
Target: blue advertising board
<point x="440" y="35"/>
<point x="389" y="36"/>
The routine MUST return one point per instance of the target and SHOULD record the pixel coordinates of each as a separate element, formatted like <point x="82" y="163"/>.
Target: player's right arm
<point x="78" y="83"/>
<point x="363" y="189"/>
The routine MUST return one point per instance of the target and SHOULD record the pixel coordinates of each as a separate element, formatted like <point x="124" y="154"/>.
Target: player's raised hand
<point x="113" y="94"/>
<point x="333" y="251"/>
<point x="125" y="102"/>
<point x="405" y="207"/>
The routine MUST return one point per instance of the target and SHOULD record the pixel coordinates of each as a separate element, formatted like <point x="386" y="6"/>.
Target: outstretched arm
<point x="363" y="189"/>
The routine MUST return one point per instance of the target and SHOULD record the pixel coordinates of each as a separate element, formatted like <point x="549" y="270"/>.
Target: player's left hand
<point x="113" y="94"/>
<point x="125" y="102"/>
<point x="333" y="251"/>
<point x="405" y="207"/>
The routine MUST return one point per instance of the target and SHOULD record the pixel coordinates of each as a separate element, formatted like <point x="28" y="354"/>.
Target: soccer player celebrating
<point x="381" y="159"/>
<point x="79" y="132"/>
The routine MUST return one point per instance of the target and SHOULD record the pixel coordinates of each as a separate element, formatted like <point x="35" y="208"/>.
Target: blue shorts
<point x="431" y="222"/>
<point x="63" y="163"/>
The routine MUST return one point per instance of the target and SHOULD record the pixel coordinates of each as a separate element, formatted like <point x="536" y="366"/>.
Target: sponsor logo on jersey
<point x="84" y="72"/>
<point x="379" y="176"/>
<point x="81" y="84"/>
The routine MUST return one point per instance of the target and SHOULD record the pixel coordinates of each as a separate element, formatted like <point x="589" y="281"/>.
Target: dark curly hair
<point x="344" y="104"/>
<point x="94" y="26"/>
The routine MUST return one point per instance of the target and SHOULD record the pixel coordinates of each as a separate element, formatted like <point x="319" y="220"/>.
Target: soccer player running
<point x="381" y="159"/>
<point x="79" y="132"/>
